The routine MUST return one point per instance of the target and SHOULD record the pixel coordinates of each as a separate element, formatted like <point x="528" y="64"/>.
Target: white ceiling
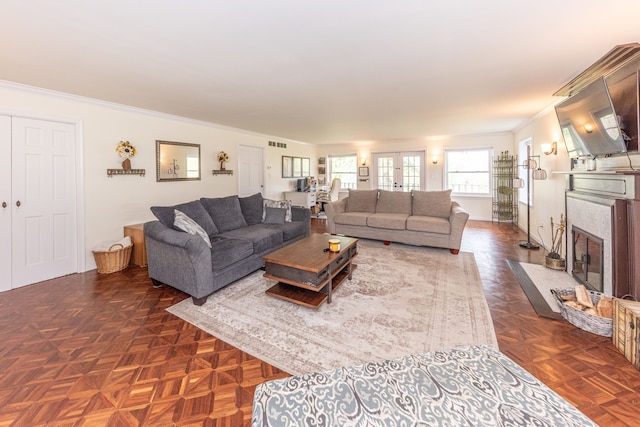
<point x="320" y="71"/>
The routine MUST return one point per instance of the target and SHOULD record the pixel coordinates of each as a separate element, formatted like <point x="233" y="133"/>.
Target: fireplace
<point x="603" y="231"/>
<point x="587" y="259"/>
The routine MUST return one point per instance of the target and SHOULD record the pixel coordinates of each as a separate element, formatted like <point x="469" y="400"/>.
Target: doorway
<point x="401" y="171"/>
<point x="38" y="199"/>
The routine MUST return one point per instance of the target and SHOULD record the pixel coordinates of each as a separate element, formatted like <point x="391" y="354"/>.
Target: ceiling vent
<point x="614" y="60"/>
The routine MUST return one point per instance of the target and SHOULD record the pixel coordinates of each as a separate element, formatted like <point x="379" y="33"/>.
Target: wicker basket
<point x="114" y="259"/>
<point x="588" y="322"/>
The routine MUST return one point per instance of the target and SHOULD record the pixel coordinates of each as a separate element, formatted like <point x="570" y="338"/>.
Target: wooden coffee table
<point x="307" y="273"/>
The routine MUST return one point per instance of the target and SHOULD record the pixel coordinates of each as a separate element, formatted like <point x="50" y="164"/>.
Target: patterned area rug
<point x="402" y="300"/>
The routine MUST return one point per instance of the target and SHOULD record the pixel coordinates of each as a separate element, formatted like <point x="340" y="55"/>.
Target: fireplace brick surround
<point x="606" y="204"/>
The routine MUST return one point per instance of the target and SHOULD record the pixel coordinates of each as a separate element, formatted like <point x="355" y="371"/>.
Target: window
<point x="346" y="169"/>
<point x="467" y="172"/>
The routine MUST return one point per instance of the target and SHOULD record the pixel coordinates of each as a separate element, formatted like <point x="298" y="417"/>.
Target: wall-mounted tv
<point x="589" y="123"/>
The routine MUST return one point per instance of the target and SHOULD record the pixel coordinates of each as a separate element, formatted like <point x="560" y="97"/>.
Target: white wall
<point x="479" y="208"/>
<point x="111" y="203"/>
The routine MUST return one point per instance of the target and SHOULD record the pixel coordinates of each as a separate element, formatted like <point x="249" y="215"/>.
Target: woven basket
<point x="114" y="259"/>
<point x="588" y="322"/>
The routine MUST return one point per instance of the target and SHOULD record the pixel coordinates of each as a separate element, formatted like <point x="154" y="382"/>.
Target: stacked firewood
<point x="582" y="301"/>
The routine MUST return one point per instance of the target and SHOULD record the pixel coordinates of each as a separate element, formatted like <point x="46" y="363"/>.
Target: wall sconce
<point x="550" y="148"/>
<point x="588" y="127"/>
<point x="434" y="160"/>
<point x="364" y="161"/>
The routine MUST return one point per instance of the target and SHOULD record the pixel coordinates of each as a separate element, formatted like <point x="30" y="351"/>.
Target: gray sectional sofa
<point x="239" y="230"/>
<point x="428" y="218"/>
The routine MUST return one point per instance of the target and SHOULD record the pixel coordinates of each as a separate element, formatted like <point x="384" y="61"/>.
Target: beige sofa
<point x="428" y="218"/>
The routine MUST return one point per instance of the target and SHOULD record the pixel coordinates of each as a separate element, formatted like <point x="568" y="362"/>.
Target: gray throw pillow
<point x="394" y="202"/>
<point x="226" y="212"/>
<point x="251" y="207"/>
<point x="362" y="201"/>
<point x="286" y="204"/>
<point x="274" y="215"/>
<point x="188" y="225"/>
<point x="193" y="210"/>
<point x="432" y="203"/>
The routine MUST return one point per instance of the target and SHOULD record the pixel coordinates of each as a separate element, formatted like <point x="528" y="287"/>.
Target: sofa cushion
<point x="432" y="203"/>
<point x="362" y="201"/>
<point x="225" y="211"/>
<point x="194" y="210"/>
<point x="352" y="218"/>
<point x="261" y="237"/>
<point x="251" y="207"/>
<point x="286" y="204"/>
<point x="275" y="215"/>
<point x="188" y="225"/>
<point x="391" y="221"/>
<point x="429" y="224"/>
<point x="395" y="202"/>
<point x="290" y="230"/>
<point x="226" y="251"/>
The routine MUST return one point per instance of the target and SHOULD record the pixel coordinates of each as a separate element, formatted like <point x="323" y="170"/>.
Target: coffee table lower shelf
<point x="306" y="297"/>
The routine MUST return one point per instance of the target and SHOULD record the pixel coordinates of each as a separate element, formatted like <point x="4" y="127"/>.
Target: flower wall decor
<point x="126" y="150"/>
<point x="222" y="158"/>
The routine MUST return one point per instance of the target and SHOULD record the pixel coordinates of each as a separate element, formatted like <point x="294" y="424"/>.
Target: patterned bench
<point x="470" y="386"/>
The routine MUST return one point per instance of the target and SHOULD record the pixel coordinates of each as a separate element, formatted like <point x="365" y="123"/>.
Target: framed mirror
<point x="177" y="161"/>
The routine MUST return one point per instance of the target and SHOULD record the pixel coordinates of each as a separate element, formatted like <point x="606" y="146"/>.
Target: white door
<point x="5" y="203"/>
<point x="43" y="204"/>
<point x="250" y="167"/>
<point x="398" y="171"/>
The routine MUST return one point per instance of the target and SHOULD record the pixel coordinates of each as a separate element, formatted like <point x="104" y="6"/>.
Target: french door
<point x="403" y="171"/>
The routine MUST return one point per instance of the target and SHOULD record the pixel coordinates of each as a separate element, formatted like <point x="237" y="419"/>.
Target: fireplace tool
<point x="554" y="258"/>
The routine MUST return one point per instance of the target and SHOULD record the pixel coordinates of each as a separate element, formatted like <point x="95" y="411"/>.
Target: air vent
<point x="615" y="59"/>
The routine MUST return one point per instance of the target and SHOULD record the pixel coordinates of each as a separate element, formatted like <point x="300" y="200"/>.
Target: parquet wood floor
<point x="100" y="350"/>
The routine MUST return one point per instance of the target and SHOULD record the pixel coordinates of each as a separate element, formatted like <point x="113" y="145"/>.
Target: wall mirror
<point x="177" y="161"/>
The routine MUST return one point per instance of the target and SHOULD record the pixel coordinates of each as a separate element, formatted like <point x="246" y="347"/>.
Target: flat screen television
<point x="589" y="123"/>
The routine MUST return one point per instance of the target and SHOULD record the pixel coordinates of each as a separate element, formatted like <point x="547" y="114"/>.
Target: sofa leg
<point x="156" y="284"/>
<point x="386" y="242"/>
<point x="199" y="301"/>
<point x="455" y="251"/>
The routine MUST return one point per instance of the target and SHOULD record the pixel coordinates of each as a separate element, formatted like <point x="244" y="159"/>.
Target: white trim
<point x="127" y="108"/>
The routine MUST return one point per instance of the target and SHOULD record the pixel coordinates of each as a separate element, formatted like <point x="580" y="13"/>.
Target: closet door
<point x="43" y="204"/>
<point x="5" y="203"/>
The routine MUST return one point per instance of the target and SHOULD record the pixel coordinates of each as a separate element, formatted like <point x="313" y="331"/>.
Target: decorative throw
<point x="186" y="224"/>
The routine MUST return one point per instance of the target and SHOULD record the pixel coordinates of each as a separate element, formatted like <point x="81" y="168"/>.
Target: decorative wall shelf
<point x="221" y="172"/>
<point x="112" y="172"/>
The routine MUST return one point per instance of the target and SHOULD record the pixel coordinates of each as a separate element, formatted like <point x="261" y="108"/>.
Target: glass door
<point x="403" y="171"/>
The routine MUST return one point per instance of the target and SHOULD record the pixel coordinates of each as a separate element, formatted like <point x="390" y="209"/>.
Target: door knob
<point x="18" y="203"/>
<point x="4" y="204"/>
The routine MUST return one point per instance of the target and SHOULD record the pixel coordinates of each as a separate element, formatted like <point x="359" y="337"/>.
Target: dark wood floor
<point x="97" y="350"/>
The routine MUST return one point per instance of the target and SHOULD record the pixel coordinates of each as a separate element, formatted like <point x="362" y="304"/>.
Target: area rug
<point x="402" y="300"/>
<point x="537" y="281"/>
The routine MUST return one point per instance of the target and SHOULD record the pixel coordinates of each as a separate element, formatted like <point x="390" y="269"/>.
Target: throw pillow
<point x="286" y="204"/>
<point x="362" y="201"/>
<point x="432" y="203"/>
<point x="274" y="215"/>
<point x="251" y="207"/>
<point x="394" y="202"/>
<point x="186" y="224"/>
<point x="226" y="212"/>
<point x="193" y="210"/>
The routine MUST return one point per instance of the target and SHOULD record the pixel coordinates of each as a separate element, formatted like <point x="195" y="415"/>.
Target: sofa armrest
<point x="458" y="219"/>
<point x="178" y="259"/>
<point x="333" y="209"/>
<point x="302" y="214"/>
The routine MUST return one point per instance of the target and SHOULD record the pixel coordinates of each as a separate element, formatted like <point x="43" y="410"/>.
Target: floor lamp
<point x="538" y="174"/>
